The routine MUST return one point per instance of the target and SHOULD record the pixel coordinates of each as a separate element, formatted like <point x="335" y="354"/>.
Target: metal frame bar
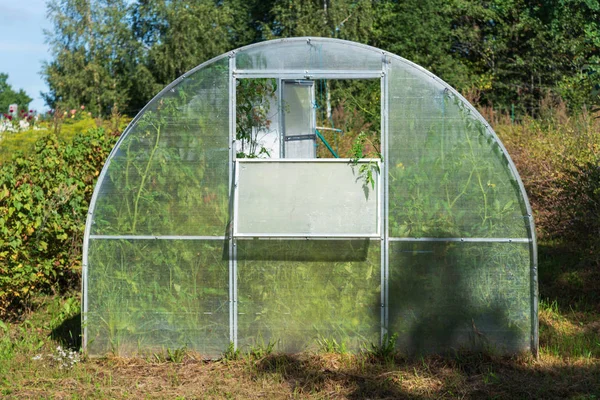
<point x="308" y="236"/>
<point x="84" y="275"/>
<point x="155" y="237"/>
<point x="236" y="197"/>
<point x="304" y="160"/>
<point x="304" y="238"/>
<point x="535" y="336"/>
<point x="235" y="295"/>
<point x="280" y="113"/>
<point x="308" y="74"/>
<point x="232" y="191"/>
<point x="313" y="114"/>
<point x="385" y="268"/>
<point x="465" y="240"/>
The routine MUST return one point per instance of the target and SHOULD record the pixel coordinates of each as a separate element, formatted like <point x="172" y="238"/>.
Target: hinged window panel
<point x="307" y="198"/>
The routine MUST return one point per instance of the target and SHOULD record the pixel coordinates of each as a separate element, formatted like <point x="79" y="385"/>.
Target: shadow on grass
<point x="568" y="277"/>
<point x="68" y="333"/>
<point x="309" y="375"/>
<point x="469" y="375"/>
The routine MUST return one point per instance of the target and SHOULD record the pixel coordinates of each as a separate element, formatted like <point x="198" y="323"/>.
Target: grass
<point x="32" y="367"/>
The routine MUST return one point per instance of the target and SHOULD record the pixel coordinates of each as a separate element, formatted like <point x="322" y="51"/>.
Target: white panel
<point x="299" y="119"/>
<point x="319" y="198"/>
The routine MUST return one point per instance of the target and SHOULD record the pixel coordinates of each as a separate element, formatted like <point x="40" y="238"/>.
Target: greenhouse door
<point x="308" y="252"/>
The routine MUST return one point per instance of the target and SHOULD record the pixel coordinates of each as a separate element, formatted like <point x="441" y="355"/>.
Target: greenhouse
<point x="301" y="192"/>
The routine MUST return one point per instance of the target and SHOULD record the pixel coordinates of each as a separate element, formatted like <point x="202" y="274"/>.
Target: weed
<point x="386" y="350"/>
<point x="176" y="355"/>
<point x="262" y="349"/>
<point x="171" y="355"/>
<point x="232" y="353"/>
<point x="331" y="345"/>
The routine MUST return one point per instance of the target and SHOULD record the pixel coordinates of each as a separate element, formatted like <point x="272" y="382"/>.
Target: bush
<point x="558" y="158"/>
<point x="65" y="126"/>
<point x="43" y="203"/>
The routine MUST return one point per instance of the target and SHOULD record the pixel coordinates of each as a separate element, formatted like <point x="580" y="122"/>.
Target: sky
<point x="22" y="47"/>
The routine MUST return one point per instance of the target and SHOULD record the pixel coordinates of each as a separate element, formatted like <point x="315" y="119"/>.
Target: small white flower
<point x="36" y="358"/>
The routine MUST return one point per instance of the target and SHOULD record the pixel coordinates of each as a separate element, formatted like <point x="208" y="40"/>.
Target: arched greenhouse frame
<point x="204" y="232"/>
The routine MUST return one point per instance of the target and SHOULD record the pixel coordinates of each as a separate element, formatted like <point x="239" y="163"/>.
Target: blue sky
<point x="22" y="47"/>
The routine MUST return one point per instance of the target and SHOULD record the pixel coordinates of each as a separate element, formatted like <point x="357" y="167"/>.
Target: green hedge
<point x="44" y="197"/>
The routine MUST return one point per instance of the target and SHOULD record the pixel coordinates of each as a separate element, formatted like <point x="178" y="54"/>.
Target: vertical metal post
<point x="280" y="119"/>
<point x="535" y="335"/>
<point x="232" y="244"/>
<point x="84" y="282"/>
<point x="235" y="296"/>
<point x="313" y="114"/>
<point x="384" y="200"/>
<point x="85" y="252"/>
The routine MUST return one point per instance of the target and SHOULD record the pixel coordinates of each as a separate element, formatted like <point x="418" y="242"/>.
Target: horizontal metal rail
<point x="347" y="238"/>
<point x="307" y="74"/>
<point x="307" y="236"/>
<point x="156" y="237"/>
<point x="466" y="240"/>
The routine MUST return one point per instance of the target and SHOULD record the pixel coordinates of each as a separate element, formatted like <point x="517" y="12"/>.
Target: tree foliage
<point x="520" y="50"/>
<point x="95" y="58"/>
<point x="9" y="96"/>
<point x="179" y="35"/>
<point x="514" y="52"/>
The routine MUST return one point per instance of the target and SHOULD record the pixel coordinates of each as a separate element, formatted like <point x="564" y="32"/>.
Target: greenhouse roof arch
<point x="233" y="210"/>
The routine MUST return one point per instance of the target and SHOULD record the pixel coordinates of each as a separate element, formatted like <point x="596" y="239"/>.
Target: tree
<point x="178" y="35"/>
<point x="520" y="50"/>
<point x="107" y="53"/>
<point x="343" y="19"/>
<point x="95" y="55"/>
<point x="9" y="96"/>
<point x="422" y="31"/>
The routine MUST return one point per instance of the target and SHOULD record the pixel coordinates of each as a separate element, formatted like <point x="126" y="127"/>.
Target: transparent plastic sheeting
<point x="299" y="119"/>
<point x="297" y="293"/>
<point x="305" y="198"/>
<point x="313" y="55"/>
<point x="450" y="296"/>
<point x="169" y="173"/>
<point x="151" y="295"/>
<point x="448" y="174"/>
<point x="160" y="271"/>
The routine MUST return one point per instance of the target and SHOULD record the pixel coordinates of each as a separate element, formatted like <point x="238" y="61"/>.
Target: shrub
<point x="65" y="126"/>
<point x="558" y="158"/>
<point x="43" y="202"/>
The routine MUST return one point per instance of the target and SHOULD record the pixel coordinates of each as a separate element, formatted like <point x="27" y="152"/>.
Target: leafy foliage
<point x="9" y="96"/>
<point x="518" y="50"/>
<point x="169" y="173"/>
<point x="513" y="51"/>
<point x="558" y="157"/>
<point x="254" y="114"/>
<point x="43" y="203"/>
<point x="95" y="58"/>
<point x="366" y="170"/>
<point x="179" y="35"/>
